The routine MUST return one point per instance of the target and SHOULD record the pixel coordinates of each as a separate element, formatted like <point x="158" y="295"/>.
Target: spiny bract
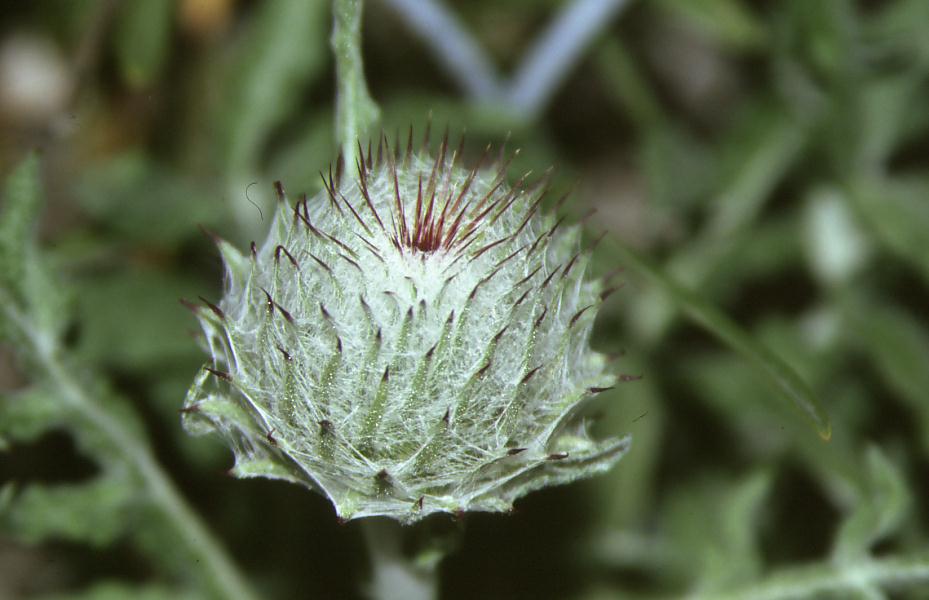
<point x="409" y="341"/>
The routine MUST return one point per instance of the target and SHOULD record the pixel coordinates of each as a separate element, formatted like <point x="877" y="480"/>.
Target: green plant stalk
<point x="393" y="575"/>
<point x="355" y="111"/>
<point x="223" y="576"/>
<point x="701" y="312"/>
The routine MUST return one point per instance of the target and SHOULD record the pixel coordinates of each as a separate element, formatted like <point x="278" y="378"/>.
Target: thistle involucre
<point x="412" y="340"/>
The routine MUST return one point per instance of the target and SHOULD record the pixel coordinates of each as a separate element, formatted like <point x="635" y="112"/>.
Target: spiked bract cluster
<point x="411" y="340"/>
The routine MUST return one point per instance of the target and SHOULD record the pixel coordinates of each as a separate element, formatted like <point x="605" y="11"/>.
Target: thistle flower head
<point x="413" y="339"/>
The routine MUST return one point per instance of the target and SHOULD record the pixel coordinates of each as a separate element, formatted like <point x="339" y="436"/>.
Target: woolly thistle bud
<point x="409" y="341"/>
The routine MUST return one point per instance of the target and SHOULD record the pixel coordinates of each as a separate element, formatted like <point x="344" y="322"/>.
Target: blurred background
<point x="771" y="155"/>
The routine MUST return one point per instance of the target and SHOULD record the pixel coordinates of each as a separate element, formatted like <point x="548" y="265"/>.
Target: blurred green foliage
<point x="769" y="157"/>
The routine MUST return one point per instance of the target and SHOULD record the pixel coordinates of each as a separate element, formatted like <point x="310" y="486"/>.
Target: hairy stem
<point x="223" y="577"/>
<point x="355" y="111"/>
<point x="393" y="575"/>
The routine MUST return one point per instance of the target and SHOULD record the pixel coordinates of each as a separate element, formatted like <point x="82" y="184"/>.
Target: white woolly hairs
<point x="411" y="340"/>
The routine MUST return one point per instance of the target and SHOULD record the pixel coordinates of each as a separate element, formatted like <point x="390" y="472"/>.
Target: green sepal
<point x="95" y="513"/>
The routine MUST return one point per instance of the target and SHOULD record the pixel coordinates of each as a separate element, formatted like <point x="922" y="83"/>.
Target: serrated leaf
<point x="26" y="415"/>
<point x="880" y="510"/>
<point x="105" y="426"/>
<point x="27" y="285"/>
<point x="22" y="200"/>
<point x="143" y="39"/>
<point x="95" y="512"/>
<point x="99" y="419"/>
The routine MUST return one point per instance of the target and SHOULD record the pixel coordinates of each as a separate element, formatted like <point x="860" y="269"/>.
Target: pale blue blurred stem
<point x="556" y="52"/>
<point x="452" y="45"/>
<point x="542" y="70"/>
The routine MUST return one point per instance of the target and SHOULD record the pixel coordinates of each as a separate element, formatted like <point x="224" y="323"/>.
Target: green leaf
<point x="106" y="427"/>
<point x="95" y="513"/>
<point x="22" y="199"/>
<point x="897" y="29"/>
<point x="720" y="548"/>
<point x="300" y="162"/>
<point x="759" y="150"/>
<point x="725" y="21"/>
<point x="741" y="516"/>
<point x="898" y="214"/>
<point x="121" y="591"/>
<point x="897" y="345"/>
<point x="732" y="392"/>
<point x="132" y="319"/>
<point x="269" y="73"/>
<point x="143" y="39"/>
<point x="880" y="510"/>
<point x="283" y="50"/>
<point x="824" y="36"/>
<point x="627" y="85"/>
<point x="26" y="415"/>
<point x="701" y="312"/>
<point x="890" y="116"/>
<point x="29" y="289"/>
<point x="668" y="149"/>
<point x="130" y="192"/>
<point x="835" y="581"/>
<point x="625" y="495"/>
